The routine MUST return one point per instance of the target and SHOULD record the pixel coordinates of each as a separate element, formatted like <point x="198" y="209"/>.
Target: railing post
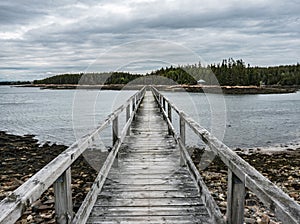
<point x="235" y="199"/>
<point x="115" y="130"/>
<point x="164" y="104"/>
<point x="182" y="137"/>
<point x="170" y="117"/>
<point x="115" y="136"/>
<point x="63" y="198"/>
<point x="160" y="99"/>
<point x="127" y="118"/>
<point x="133" y="104"/>
<point x="136" y="100"/>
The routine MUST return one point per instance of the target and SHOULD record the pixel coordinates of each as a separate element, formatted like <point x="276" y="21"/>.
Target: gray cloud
<point x="38" y="39"/>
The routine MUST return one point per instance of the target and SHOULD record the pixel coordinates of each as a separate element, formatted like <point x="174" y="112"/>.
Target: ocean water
<point x="245" y="120"/>
<point x="62" y="116"/>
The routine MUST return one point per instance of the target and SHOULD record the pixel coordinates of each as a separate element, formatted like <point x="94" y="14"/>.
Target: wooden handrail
<point x="89" y="201"/>
<point x="185" y="159"/>
<point x="13" y="206"/>
<point x="241" y="174"/>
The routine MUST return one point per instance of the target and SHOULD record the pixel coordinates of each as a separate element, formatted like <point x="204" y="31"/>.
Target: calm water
<point x="245" y="120"/>
<point x="61" y="115"/>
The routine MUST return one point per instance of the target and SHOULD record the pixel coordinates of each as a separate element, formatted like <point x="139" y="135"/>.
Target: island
<point x="229" y="77"/>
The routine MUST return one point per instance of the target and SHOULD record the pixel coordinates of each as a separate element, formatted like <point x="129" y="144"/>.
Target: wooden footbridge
<point x="149" y="176"/>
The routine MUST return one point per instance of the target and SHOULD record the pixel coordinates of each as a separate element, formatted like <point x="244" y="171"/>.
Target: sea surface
<point x="62" y="116"/>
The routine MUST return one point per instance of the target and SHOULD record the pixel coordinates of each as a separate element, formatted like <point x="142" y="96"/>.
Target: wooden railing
<point x="58" y="173"/>
<point x="241" y="175"/>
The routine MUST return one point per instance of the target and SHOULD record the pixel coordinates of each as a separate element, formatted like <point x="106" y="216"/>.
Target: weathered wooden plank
<point x="63" y="198"/>
<point x="135" y="151"/>
<point x="149" y="163"/>
<point x="146" y="171"/>
<point x="148" y="211"/>
<point x="157" y="157"/>
<point x="137" y="155"/>
<point x="153" y="181"/>
<point x="150" y="176"/>
<point x="235" y="199"/>
<point x="127" y="118"/>
<point x="149" y="168"/>
<point x="149" y="185"/>
<point x="151" y="194"/>
<point x="115" y="130"/>
<point x="149" y="202"/>
<point x="180" y="219"/>
<point x="179" y="185"/>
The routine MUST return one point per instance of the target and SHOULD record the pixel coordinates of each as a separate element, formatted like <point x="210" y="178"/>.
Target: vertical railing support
<point x="159" y="102"/>
<point x="182" y="137"/>
<point x="133" y="104"/>
<point x="115" y="136"/>
<point x="170" y="117"/>
<point x="63" y="198"/>
<point x="137" y="100"/>
<point x="127" y="118"/>
<point x="164" y="104"/>
<point x="235" y="199"/>
<point x="115" y="130"/>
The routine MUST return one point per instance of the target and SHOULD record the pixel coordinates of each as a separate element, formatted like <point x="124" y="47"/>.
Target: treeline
<point x="60" y="79"/>
<point x="9" y="83"/>
<point x="90" y="78"/>
<point x="230" y="72"/>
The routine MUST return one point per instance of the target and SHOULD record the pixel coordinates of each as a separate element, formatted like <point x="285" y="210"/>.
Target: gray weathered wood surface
<point x="241" y="175"/>
<point x="149" y="185"/>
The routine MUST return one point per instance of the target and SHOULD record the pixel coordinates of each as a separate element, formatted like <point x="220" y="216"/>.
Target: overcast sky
<point x="40" y="38"/>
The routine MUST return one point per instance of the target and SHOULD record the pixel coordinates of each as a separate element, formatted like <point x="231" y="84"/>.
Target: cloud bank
<point x="39" y="39"/>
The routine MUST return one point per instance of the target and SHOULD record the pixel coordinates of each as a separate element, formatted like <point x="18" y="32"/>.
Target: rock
<point x="49" y="201"/>
<point x="47" y="216"/>
<point x="35" y="205"/>
<point x="238" y="149"/>
<point x="265" y="219"/>
<point x="44" y="207"/>
<point x="23" y="157"/>
<point x="273" y="222"/>
<point x="29" y="218"/>
<point x="249" y="221"/>
<point x="246" y="211"/>
<point x="223" y="204"/>
<point x="250" y="202"/>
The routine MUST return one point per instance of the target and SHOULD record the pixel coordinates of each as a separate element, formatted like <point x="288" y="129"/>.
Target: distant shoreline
<point x="178" y="88"/>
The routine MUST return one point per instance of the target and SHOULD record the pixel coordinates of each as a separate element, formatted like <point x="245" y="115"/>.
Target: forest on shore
<point x="228" y="73"/>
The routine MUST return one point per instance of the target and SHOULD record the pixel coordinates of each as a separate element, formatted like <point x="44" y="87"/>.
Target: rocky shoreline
<point x="280" y="167"/>
<point x="22" y="156"/>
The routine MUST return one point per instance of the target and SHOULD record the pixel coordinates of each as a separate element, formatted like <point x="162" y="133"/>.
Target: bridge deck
<point x="149" y="186"/>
